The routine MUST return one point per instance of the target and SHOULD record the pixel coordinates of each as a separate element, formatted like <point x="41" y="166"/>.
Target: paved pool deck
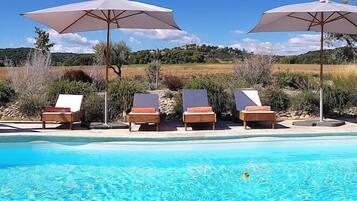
<point x="174" y="130"/>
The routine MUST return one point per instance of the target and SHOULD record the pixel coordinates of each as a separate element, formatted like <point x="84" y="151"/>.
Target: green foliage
<point x="190" y="54"/>
<point x="121" y="94"/>
<point x="76" y="75"/>
<point x="68" y="87"/>
<point x="217" y="95"/>
<point x="94" y="108"/>
<point x="173" y="83"/>
<point x="294" y="80"/>
<point x="120" y="53"/>
<point x="178" y="103"/>
<point x="276" y="98"/>
<point x="153" y="74"/>
<point x="43" y="40"/>
<point x="31" y="105"/>
<point x="6" y="92"/>
<point x="336" y="98"/>
<point x="306" y="101"/>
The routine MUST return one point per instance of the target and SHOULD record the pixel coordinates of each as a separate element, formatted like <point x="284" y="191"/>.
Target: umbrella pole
<point x="321" y="70"/>
<point x="107" y="77"/>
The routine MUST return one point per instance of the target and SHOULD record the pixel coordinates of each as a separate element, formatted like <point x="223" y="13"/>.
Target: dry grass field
<point x="186" y="70"/>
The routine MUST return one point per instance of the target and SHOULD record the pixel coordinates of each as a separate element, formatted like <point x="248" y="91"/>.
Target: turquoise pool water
<point x="313" y="169"/>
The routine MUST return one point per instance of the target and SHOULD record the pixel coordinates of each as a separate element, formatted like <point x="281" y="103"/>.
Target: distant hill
<point x="333" y="56"/>
<point x="177" y="55"/>
<point x="17" y="57"/>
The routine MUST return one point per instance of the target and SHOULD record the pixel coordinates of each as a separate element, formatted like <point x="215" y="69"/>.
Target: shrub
<point x="173" y="83"/>
<point x="217" y="95"/>
<point x="94" y="108"/>
<point x="178" y="103"/>
<point x="31" y="105"/>
<point x="255" y="70"/>
<point x="98" y="79"/>
<point x="76" y="75"/>
<point x="276" y="98"/>
<point x="34" y="79"/>
<point x="153" y="74"/>
<point x="68" y="87"/>
<point x="306" y="101"/>
<point x="336" y="98"/>
<point x="292" y="80"/>
<point x="6" y="92"/>
<point x="121" y="94"/>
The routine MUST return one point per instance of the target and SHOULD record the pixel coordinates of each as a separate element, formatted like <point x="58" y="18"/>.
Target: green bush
<point x="337" y="98"/>
<point x="121" y="94"/>
<point x="293" y="80"/>
<point x="218" y="97"/>
<point x="77" y="75"/>
<point x="178" y="103"/>
<point x="31" y="105"/>
<point x="276" y="98"/>
<point x="94" y="108"/>
<point x="6" y="92"/>
<point x="68" y="87"/>
<point x="306" y="101"/>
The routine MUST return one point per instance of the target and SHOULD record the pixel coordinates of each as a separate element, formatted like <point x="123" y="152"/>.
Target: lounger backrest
<point x="244" y="98"/>
<point x="194" y="98"/>
<point x="146" y="100"/>
<point x="70" y="101"/>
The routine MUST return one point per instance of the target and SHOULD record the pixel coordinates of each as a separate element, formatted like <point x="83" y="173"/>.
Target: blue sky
<point x="222" y="23"/>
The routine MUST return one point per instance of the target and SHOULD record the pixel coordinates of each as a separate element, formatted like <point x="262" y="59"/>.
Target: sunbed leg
<point x="129" y="126"/>
<point x="157" y="127"/>
<point x="43" y="125"/>
<point x="70" y="125"/>
<point x="273" y="125"/>
<point x="245" y="125"/>
<point x="185" y="126"/>
<point x="214" y="126"/>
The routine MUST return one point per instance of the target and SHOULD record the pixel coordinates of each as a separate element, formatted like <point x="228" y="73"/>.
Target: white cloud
<point x="166" y="35"/>
<point x="298" y="44"/>
<point x="73" y="43"/>
<point x="134" y="40"/>
<point x="239" y="31"/>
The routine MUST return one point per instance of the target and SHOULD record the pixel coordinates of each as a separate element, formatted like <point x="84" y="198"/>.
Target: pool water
<point x="309" y="169"/>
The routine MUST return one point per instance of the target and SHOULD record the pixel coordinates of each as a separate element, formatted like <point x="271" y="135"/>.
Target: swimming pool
<point x="279" y="169"/>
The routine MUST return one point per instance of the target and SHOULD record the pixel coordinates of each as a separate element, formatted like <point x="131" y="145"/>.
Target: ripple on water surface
<point x="327" y="173"/>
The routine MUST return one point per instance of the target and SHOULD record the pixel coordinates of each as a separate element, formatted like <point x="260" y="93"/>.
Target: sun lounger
<point x="66" y="110"/>
<point x="196" y="108"/>
<point x="145" y="110"/>
<point x="250" y="108"/>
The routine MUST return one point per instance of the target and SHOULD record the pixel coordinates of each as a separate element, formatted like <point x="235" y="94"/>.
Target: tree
<point x="120" y="53"/>
<point x="43" y="40"/>
<point x="351" y="40"/>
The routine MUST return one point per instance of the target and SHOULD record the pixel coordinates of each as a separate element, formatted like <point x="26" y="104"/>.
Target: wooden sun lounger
<point x="197" y="98"/>
<point x="145" y="101"/>
<point x="70" y="104"/>
<point x="244" y="98"/>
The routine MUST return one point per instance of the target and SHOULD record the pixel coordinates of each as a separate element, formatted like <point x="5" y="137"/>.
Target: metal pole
<point x="108" y="63"/>
<point x="321" y="69"/>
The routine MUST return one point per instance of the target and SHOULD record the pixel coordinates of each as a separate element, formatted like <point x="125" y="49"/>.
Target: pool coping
<point x="59" y="138"/>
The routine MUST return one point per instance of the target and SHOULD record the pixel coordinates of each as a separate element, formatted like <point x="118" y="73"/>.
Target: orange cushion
<point x="57" y="109"/>
<point x="258" y="108"/>
<point x="199" y="109"/>
<point x="143" y="110"/>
